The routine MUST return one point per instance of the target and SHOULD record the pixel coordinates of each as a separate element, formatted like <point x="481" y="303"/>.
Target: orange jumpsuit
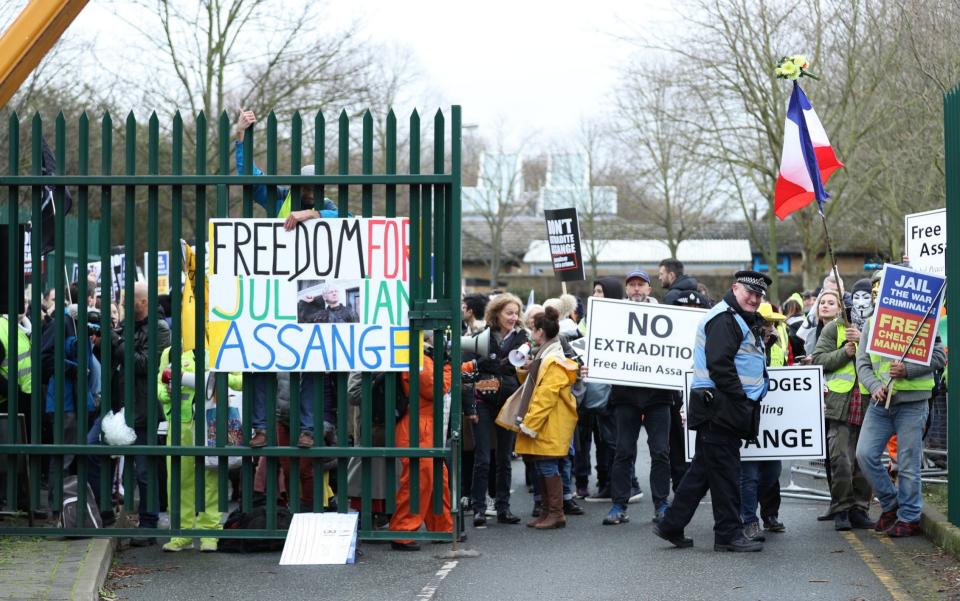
<point x="403" y="519"/>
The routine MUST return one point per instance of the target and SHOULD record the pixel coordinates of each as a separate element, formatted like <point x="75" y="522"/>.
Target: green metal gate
<point x="434" y="211"/>
<point x="951" y="123"/>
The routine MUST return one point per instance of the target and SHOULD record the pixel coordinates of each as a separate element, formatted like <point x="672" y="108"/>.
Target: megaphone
<point x="478" y="345"/>
<point x="518" y="356"/>
<point x="188" y="379"/>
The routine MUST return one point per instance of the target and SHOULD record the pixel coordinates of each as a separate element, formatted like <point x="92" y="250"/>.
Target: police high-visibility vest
<point x="24" y="379"/>
<point x="881" y="367"/>
<point x="750" y="360"/>
<point x="841" y="381"/>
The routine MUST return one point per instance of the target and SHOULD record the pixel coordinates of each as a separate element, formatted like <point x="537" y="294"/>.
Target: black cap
<point x="753" y="280"/>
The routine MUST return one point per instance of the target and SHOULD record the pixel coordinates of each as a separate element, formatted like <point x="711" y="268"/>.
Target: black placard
<point x="563" y="237"/>
<point x="5" y="269"/>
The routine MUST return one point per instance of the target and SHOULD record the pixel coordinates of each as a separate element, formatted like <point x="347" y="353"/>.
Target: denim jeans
<point x="261" y="382"/>
<point x="483" y="431"/>
<point x="656" y="419"/>
<point x="565" y="468"/>
<point x="547" y="468"/>
<point x="588" y="432"/>
<point x="906" y="420"/>
<point x="756" y="478"/>
<point x="566" y="474"/>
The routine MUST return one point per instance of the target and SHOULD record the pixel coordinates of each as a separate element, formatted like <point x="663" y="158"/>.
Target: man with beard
<point x="633" y="407"/>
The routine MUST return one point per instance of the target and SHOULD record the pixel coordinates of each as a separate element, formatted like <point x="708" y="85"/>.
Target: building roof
<point x="651" y="251"/>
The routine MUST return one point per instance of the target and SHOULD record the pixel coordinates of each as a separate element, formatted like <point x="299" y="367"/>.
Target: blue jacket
<point x="260" y="192"/>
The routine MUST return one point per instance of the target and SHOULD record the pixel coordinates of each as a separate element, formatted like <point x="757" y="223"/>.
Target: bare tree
<point x="497" y="199"/>
<point x="578" y="177"/>
<point x="258" y="54"/>
<point x="675" y="188"/>
<point x="743" y="105"/>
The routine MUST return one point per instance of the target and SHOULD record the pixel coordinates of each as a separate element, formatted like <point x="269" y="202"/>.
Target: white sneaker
<point x="635" y="497"/>
<point x="491" y="508"/>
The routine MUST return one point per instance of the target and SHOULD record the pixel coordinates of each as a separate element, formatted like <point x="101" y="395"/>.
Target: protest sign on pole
<point x="791" y="417"/>
<point x="563" y="236"/>
<point x="329" y="295"/>
<point x="925" y="239"/>
<point x="163" y="270"/>
<point x="640" y="344"/>
<point x="904" y="322"/>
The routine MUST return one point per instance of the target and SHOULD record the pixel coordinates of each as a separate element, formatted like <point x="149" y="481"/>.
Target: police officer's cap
<point x="753" y="281"/>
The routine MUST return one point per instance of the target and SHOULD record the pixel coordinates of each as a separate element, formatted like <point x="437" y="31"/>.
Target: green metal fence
<point x="951" y="122"/>
<point x="434" y="211"/>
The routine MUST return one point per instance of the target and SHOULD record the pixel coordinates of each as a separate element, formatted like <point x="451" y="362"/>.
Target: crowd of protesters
<point x="569" y="433"/>
<point x="566" y="430"/>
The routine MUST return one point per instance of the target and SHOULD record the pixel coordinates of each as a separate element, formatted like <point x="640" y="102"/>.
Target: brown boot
<point x="552" y="496"/>
<point x="259" y="439"/>
<point x="543" y="507"/>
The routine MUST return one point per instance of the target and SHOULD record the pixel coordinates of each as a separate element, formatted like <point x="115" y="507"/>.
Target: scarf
<point x="551" y="348"/>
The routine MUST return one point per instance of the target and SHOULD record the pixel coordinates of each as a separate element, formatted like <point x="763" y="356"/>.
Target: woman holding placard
<point x="845" y="401"/>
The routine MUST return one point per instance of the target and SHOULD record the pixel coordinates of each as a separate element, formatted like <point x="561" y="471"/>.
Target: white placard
<point x="791" y="419"/>
<point x="329" y="295"/>
<point x="320" y="539"/>
<point x="640" y="344"/>
<point x="925" y="240"/>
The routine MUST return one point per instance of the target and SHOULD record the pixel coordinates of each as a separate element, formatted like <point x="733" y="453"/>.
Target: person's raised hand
<point x="244" y="120"/>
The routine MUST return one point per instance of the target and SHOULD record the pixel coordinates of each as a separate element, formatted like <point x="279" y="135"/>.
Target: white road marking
<point x="430" y="589"/>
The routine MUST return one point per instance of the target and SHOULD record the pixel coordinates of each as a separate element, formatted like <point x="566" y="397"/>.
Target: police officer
<point x="730" y="380"/>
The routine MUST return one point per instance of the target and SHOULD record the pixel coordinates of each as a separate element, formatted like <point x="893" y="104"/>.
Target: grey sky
<point x="523" y="67"/>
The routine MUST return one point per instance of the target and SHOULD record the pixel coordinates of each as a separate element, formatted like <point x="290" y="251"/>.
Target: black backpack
<point x="379" y="398"/>
<point x="255" y="519"/>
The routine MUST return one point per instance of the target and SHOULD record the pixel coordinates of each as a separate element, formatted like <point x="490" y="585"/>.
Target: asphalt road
<point x="585" y="561"/>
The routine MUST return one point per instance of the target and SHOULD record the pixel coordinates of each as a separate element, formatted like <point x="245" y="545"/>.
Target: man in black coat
<point x="729" y="383"/>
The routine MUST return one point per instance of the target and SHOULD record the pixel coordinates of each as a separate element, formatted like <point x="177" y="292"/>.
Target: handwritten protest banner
<point x="329" y="295"/>
<point x="925" y="237"/>
<point x="908" y="303"/>
<point x="640" y="344"/>
<point x="563" y="236"/>
<point x="791" y="417"/>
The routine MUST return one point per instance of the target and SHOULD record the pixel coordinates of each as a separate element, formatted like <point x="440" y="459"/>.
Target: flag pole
<point x="933" y="303"/>
<point x="836" y="271"/>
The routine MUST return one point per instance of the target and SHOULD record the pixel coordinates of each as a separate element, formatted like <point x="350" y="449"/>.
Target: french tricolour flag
<point x="808" y="160"/>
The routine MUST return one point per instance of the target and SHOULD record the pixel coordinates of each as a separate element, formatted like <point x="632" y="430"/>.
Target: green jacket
<point x="832" y="358"/>
<point x="187" y="365"/>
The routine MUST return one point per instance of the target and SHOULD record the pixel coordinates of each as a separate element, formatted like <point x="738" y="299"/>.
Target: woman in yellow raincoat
<point x="551" y="416"/>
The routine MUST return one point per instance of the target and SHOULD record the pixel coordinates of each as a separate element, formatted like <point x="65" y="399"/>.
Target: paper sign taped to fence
<point x="563" y="237"/>
<point x="329" y="295"/>
<point x="791" y="417"/>
<point x="640" y="344"/>
<point x="320" y="539"/>
<point x="907" y="314"/>
<point x="925" y="238"/>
